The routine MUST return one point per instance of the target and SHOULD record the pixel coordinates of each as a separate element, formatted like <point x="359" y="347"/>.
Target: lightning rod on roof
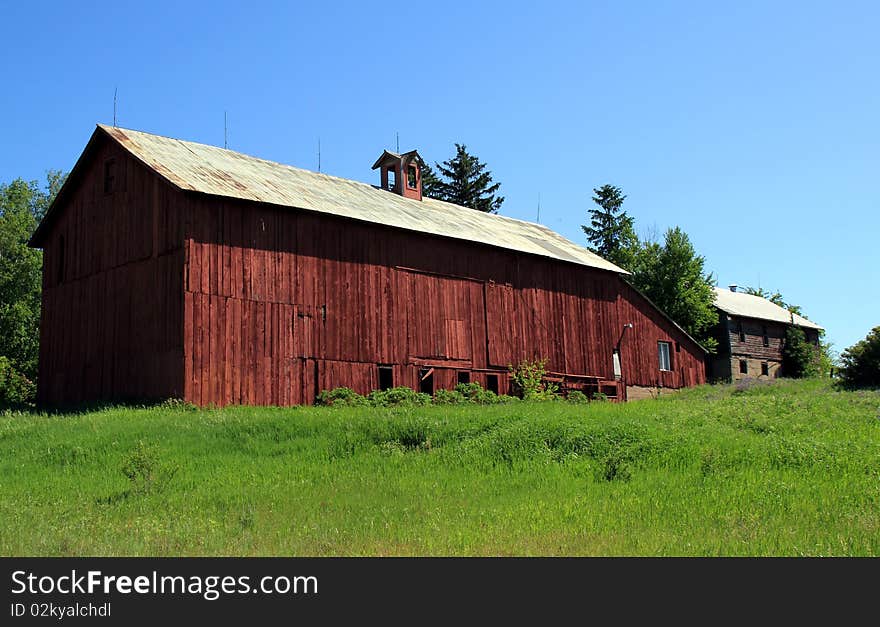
<point x="115" y="89"/>
<point x="319" y="154"/>
<point x="538" y="219"/>
<point x="225" y="134"/>
<point x="397" y="137"/>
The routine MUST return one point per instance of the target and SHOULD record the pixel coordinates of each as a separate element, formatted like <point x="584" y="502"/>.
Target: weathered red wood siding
<point x="163" y="293"/>
<point x="282" y="303"/>
<point x="112" y="291"/>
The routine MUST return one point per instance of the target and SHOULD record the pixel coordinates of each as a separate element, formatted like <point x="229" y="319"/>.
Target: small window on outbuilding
<point x="743" y="366"/>
<point x="110" y="176"/>
<point x="765" y="368"/>
<point x="664" y="355"/>
<point x="411" y="177"/>
<point x="464" y="376"/>
<point x="492" y="383"/>
<point x="766" y="337"/>
<point x="386" y="378"/>
<point x="742" y="333"/>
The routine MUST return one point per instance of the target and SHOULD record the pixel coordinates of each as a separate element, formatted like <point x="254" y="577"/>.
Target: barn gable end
<point x="112" y="283"/>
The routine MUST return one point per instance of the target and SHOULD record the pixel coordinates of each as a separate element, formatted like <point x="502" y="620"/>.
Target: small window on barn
<point x="110" y="176"/>
<point x="766" y="337"/>
<point x="743" y="366"/>
<point x="426" y="381"/>
<point x="411" y="177"/>
<point x="664" y="355"/>
<point x="59" y="276"/>
<point x="677" y="347"/>
<point x="492" y="383"/>
<point x="765" y="368"/>
<point x="392" y="179"/>
<point x="386" y="378"/>
<point x="464" y="376"/>
<point x="742" y="333"/>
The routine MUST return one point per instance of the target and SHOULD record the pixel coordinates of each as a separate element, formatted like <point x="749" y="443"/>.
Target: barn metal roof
<point x="749" y="306"/>
<point x="217" y="171"/>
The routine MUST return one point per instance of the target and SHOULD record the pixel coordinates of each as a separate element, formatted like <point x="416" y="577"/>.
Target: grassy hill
<point x="791" y="468"/>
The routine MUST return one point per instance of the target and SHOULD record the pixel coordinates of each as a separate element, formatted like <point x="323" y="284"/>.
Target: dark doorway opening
<point x="426" y="381"/>
<point x="492" y="383"/>
<point x="386" y="378"/>
<point x="464" y="376"/>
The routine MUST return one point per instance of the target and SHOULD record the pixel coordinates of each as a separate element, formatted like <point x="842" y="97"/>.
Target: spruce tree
<point x="611" y="232"/>
<point x="465" y="181"/>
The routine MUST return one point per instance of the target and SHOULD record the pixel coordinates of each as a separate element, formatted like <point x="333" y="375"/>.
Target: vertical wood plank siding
<point x="165" y="293"/>
<point x="112" y="304"/>
<point x="309" y="302"/>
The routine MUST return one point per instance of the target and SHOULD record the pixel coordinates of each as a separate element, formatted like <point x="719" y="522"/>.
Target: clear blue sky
<point x="755" y="126"/>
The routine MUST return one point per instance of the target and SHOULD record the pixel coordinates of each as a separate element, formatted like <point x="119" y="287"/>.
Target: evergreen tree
<point x="465" y="181"/>
<point x="430" y="182"/>
<point x="673" y="277"/>
<point x="611" y="231"/>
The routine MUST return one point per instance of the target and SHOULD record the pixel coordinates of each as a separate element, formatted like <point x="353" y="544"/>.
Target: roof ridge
<point x="209" y="169"/>
<point x="329" y="176"/>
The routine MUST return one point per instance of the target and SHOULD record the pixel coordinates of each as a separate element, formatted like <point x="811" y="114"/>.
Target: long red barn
<point x="176" y="269"/>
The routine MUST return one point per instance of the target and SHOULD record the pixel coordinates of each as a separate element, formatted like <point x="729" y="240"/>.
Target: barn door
<point x="439" y="318"/>
<point x="500" y="324"/>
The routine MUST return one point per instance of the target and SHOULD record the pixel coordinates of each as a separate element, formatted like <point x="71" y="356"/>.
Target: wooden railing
<point x="613" y="389"/>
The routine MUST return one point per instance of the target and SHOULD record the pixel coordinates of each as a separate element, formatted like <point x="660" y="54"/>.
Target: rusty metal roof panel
<point x="750" y="306"/>
<point x="217" y="171"/>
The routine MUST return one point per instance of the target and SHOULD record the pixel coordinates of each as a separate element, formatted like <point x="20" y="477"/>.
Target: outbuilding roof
<point x="750" y="306"/>
<point x="211" y="170"/>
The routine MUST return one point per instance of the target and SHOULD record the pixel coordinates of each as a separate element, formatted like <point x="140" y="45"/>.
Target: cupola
<point x="401" y="174"/>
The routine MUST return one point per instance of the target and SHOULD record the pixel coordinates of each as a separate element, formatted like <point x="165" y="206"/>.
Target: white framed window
<point x="665" y="355"/>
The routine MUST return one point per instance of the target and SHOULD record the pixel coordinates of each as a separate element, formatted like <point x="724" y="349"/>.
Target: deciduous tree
<point x="860" y="363"/>
<point x="673" y="276"/>
<point x="22" y="205"/>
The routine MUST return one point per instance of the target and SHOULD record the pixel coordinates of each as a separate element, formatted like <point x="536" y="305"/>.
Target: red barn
<point x="176" y="269"/>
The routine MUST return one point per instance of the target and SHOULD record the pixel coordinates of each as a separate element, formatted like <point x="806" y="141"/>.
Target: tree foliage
<point x="798" y="355"/>
<point x="611" y="232"/>
<point x="860" y="363"/>
<point x="22" y="205"/>
<point x="430" y="182"/>
<point x="672" y="275"/>
<point x="463" y="180"/>
<point x="15" y="388"/>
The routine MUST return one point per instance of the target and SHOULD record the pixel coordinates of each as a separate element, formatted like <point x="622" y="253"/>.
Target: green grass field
<point x="791" y="468"/>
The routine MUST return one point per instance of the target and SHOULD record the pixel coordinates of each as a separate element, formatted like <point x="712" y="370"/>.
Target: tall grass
<point x="786" y="469"/>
